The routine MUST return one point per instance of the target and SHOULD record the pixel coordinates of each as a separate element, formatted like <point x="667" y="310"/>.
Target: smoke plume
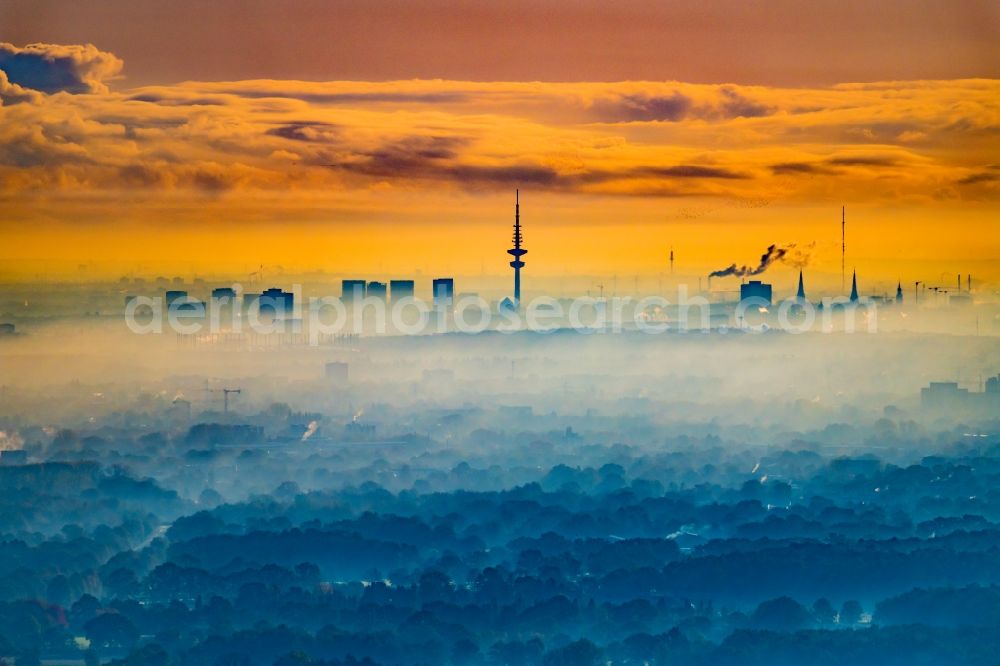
<point x="310" y="431"/>
<point x="789" y="254"/>
<point x="10" y="441"/>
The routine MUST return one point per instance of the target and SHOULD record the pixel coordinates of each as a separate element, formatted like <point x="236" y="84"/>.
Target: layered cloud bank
<point x="920" y="139"/>
<point x="70" y="146"/>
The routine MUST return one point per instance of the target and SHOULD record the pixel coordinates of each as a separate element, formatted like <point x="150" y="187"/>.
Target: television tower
<point x="516" y="251"/>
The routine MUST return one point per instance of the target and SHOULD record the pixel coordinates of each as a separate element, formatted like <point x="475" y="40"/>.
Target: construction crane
<point x="257" y="275"/>
<point x="939" y="290"/>
<point x="225" y="396"/>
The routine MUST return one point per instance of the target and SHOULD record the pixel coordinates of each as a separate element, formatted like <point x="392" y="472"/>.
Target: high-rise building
<point x="899" y="292"/>
<point x="14" y="457"/>
<point x="175" y="295"/>
<point x="250" y="301"/>
<point x="376" y="290"/>
<point x="444" y="292"/>
<point x="943" y="395"/>
<point x="277" y="302"/>
<point x="352" y="289"/>
<point x="854" y="287"/>
<point x="223" y="302"/>
<point x="179" y="301"/>
<point x="517" y="251"/>
<point x="400" y="289"/>
<point x="755" y="289"/>
<point x="800" y="296"/>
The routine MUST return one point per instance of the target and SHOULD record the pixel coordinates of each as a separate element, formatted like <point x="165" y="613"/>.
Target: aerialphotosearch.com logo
<point x="320" y="317"/>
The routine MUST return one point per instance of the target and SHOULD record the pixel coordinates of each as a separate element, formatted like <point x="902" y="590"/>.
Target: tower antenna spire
<point x="517" y="252"/>
<point x="843" y="248"/>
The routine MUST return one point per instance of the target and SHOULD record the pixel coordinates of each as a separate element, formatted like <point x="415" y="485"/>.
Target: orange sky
<point x="417" y="174"/>
<point x="779" y="42"/>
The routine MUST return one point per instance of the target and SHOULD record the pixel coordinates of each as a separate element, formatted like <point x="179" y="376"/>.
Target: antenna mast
<point x="517" y="252"/>
<point x="843" y="249"/>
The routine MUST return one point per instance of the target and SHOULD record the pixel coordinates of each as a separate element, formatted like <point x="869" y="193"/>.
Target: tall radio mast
<point x="843" y="249"/>
<point x="517" y="252"/>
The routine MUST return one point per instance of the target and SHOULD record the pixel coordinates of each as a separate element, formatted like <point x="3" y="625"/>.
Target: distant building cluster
<point x="273" y="301"/>
<point x="280" y="304"/>
<point x="763" y="292"/>
<point x="949" y="397"/>
<point x="752" y="310"/>
<point x="443" y="290"/>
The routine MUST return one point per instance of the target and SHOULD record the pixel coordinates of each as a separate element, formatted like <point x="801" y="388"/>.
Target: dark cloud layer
<point x="979" y="178"/>
<point x="644" y="108"/>
<point x="12" y="93"/>
<point x="308" y="131"/>
<point x="414" y="157"/>
<point x="677" y="107"/>
<point x="863" y="161"/>
<point x="52" y="68"/>
<point x="689" y="171"/>
<point x="176" y="101"/>
<point x="824" y="168"/>
<point x="434" y="158"/>
<point x="800" y="168"/>
<point x="735" y="105"/>
<point x="438" y="158"/>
